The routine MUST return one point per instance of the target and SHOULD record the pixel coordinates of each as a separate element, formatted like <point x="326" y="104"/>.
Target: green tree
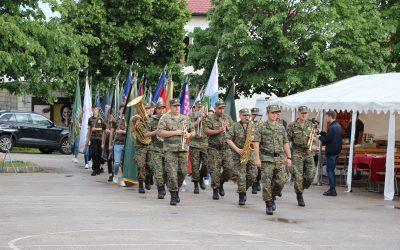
<point x="390" y="10"/>
<point x="283" y="47"/>
<point x="37" y="56"/>
<point x="148" y="33"/>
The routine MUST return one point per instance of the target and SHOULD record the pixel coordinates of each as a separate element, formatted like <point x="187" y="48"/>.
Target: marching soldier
<point x="149" y="171"/>
<point x="256" y="117"/>
<point x="303" y="169"/>
<point x="236" y="138"/>
<point x="96" y="125"/>
<point x="156" y="150"/>
<point x="175" y="129"/>
<point x="271" y="145"/>
<point x="117" y="142"/>
<point x="198" y="148"/>
<point x="142" y="157"/>
<point x="106" y="153"/>
<point x="215" y="127"/>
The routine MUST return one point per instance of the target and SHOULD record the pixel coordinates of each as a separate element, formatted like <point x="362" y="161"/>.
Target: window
<point x="5" y="117"/>
<point x="40" y="120"/>
<point x="23" y="118"/>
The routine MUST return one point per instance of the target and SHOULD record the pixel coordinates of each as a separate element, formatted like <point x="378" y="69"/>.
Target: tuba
<point x="139" y="129"/>
<point x="248" y="144"/>
<point x="313" y="133"/>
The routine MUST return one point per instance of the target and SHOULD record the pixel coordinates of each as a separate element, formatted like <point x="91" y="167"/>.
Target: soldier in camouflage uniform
<point x="156" y="150"/>
<point x="271" y="145"/>
<point x="236" y="138"/>
<point x="219" y="155"/>
<point x="198" y="148"/>
<point x="96" y="125"/>
<point x="142" y="157"/>
<point x="149" y="171"/>
<point x="256" y="117"/>
<point x="303" y="162"/>
<point x="175" y="128"/>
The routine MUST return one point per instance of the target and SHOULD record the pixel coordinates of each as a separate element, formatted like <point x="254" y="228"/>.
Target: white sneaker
<point x="87" y="166"/>
<point x="75" y="160"/>
<point x="115" y="179"/>
<point x="206" y="182"/>
<point x="122" y="184"/>
<point x="184" y="184"/>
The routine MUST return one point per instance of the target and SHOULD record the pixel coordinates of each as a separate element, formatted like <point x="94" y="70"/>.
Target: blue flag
<point x="160" y="86"/>
<point x="127" y="86"/>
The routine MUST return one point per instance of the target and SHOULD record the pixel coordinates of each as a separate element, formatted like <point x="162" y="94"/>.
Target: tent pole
<point x="293" y="115"/>
<point x="389" y="175"/>
<point x="318" y="176"/>
<point x="351" y="150"/>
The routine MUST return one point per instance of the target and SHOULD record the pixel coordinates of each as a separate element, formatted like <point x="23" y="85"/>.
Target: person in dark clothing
<point x="96" y="127"/>
<point x="359" y="131"/>
<point x="333" y="142"/>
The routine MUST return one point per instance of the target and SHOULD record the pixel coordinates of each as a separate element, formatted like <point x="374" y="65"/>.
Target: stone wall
<point x="8" y="101"/>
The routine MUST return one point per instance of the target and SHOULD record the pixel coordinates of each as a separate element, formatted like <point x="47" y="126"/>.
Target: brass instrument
<point x="311" y="136"/>
<point x="183" y="137"/>
<point x="248" y="144"/>
<point x="139" y="130"/>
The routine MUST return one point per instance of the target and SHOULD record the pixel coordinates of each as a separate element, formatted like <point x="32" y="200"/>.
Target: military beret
<point x="244" y="111"/>
<point x="255" y="111"/>
<point x="220" y="103"/>
<point x="160" y="104"/>
<point x="149" y="105"/>
<point x="174" y="102"/>
<point x="303" y="109"/>
<point x="273" y="108"/>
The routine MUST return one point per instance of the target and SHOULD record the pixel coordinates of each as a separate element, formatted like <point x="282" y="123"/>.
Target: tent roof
<point x="363" y="93"/>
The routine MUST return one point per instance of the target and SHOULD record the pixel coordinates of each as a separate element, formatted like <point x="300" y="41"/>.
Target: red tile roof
<point x="199" y="7"/>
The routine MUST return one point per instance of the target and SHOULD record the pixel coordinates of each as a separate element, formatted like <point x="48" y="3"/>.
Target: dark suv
<point x="28" y="129"/>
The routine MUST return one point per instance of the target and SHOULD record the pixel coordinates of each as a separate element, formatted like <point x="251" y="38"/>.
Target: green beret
<point x="274" y="108"/>
<point x="220" y="103"/>
<point x="174" y="102"/>
<point x="149" y="105"/>
<point x="244" y="111"/>
<point x="199" y="103"/>
<point x="303" y="109"/>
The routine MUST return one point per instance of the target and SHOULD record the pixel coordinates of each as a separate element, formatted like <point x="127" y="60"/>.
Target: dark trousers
<point x="330" y="169"/>
<point x="95" y="145"/>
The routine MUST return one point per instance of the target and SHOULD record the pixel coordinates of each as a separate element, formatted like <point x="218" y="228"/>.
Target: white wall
<point x="196" y="21"/>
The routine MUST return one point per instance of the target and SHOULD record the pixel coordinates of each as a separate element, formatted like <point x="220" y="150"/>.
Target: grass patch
<point x="16" y="164"/>
<point x="25" y="150"/>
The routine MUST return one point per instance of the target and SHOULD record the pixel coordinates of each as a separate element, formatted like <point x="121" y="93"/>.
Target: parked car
<point x="28" y="129"/>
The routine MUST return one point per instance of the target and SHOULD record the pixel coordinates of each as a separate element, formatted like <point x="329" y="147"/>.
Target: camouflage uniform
<point x="219" y="154"/>
<point x="256" y="185"/>
<point x="142" y="157"/>
<point x="245" y="175"/>
<point x="303" y="168"/>
<point x="175" y="158"/>
<point x="273" y="172"/>
<point x="95" y="142"/>
<point x="198" y="153"/>
<point x="156" y="152"/>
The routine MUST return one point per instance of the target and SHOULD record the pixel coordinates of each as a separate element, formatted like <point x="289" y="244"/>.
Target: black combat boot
<point x="215" y="194"/>
<point x="300" y="200"/>
<point x="258" y="186"/>
<point x="254" y="188"/>
<point x="221" y="189"/>
<point x="161" y="192"/>
<point x="196" y="188"/>
<point x="269" y="209"/>
<point x="202" y="185"/>
<point x="273" y="205"/>
<point x="245" y="196"/>
<point x="173" y="201"/>
<point x="164" y="192"/>
<point x="141" y="189"/>
<point x="177" y="197"/>
<point x="147" y="182"/>
<point x="242" y="201"/>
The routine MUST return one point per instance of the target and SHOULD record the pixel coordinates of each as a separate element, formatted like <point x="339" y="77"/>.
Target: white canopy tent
<point x="379" y="93"/>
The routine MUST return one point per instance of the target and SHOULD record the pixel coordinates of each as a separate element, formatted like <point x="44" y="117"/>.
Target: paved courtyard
<point x="65" y="208"/>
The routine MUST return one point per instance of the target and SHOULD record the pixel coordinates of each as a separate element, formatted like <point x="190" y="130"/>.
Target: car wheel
<point x="46" y="151"/>
<point x="65" y="147"/>
<point x="6" y="143"/>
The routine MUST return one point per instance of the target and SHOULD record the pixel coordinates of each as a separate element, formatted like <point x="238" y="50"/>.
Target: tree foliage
<point x="148" y="33"/>
<point x="37" y="56"/>
<point x="283" y="47"/>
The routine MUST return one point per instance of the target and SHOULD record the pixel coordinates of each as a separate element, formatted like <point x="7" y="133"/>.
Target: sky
<point x="47" y="10"/>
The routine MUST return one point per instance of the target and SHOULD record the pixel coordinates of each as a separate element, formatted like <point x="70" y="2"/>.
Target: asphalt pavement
<point x="66" y="208"/>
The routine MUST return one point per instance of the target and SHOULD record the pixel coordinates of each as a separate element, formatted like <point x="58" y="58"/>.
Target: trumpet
<point x="183" y="137"/>
<point x="199" y="127"/>
<point x="311" y="136"/>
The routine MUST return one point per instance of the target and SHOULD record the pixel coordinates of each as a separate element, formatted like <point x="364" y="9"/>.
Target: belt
<point x="264" y="152"/>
